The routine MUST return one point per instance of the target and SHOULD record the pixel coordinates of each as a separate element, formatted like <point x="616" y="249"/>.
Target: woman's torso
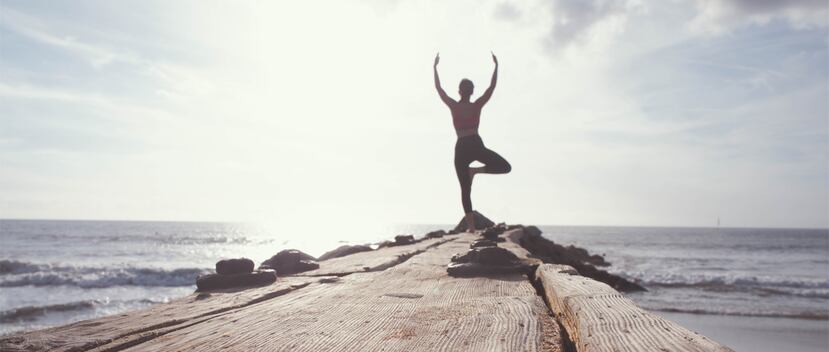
<point x="466" y="116"/>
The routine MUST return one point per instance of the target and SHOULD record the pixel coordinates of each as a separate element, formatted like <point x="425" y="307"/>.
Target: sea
<point x="54" y="272"/>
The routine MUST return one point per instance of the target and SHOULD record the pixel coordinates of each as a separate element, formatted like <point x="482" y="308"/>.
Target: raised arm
<point x="446" y="99"/>
<point x="488" y="93"/>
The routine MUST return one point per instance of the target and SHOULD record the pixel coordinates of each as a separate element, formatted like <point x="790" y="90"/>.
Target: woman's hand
<point x="437" y="59"/>
<point x="494" y="59"/>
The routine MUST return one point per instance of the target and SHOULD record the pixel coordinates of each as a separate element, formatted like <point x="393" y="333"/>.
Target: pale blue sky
<point x="611" y="112"/>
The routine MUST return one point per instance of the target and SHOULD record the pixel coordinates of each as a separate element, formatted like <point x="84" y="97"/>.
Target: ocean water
<point x="726" y="271"/>
<point x="57" y="272"/>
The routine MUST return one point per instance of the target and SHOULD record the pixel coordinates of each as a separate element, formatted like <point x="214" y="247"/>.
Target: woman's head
<point x="465" y="88"/>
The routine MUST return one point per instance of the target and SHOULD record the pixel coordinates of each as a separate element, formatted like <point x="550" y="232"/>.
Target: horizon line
<point x="435" y="224"/>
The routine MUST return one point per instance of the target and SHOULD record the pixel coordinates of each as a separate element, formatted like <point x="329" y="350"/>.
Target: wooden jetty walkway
<point x="391" y="299"/>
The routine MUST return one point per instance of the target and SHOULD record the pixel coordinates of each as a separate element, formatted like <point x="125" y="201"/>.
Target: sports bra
<point x="465" y="116"/>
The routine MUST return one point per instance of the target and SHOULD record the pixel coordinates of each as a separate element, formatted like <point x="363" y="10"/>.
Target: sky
<point x="611" y="112"/>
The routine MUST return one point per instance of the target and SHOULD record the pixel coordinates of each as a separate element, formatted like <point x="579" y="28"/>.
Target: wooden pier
<point x="390" y="299"/>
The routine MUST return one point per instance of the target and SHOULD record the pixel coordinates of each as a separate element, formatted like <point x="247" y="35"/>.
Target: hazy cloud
<point x="39" y="31"/>
<point x="717" y="16"/>
<point x="580" y="21"/>
<point x="585" y="22"/>
<point x="507" y="11"/>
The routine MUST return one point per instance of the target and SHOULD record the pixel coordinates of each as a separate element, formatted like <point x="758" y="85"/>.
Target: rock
<point x="532" y="231"/>
<point x="481" y="222"/>
<point x="598" y="260"/>
<point x="496" y="256"/>
<point x="578" y="258"/>
<point x="297" y="267"/>
<point x="493" y="232"/>
<point x="568" y="254"/>
<point x="617" y="282"/>
<point x="399" y="240"/>
<point x="468" y="257"/>
<point x="345" y="250"/>
<point x="453" y="232"/>
<point x="234" y="266"/>
<point x="485" y="258"/>
<point x="402" y="240"/>
<point x="223" y="281"/>
<point x="292" y="255"/>
<point x="483" y="243"/>
<point x="582" y="255"/>
<point x="436" y="234"/>
<point x="489" y="255"/>
<point x="290" y="261"/>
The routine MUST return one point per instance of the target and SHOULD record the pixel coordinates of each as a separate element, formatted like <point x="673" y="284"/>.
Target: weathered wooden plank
<point x="376" y="260"/>
<point x="414" y="306"/>
<point x="411" y="306"/>
<point x="88" y="334"/>
<point x="598" y="318"/>
<point x="398" y="299"/>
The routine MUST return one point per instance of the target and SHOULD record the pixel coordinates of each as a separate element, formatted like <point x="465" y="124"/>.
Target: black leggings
<point x="467" y="150"/>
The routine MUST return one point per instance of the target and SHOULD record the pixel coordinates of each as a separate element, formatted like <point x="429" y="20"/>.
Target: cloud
<point x="38" y="31"/>
<point x="507" y="11"/>
<point x="117" y="109"/>
<point x="580" y="24"/>
<point x="583" y="22"/>
<point x="720" y="16"/>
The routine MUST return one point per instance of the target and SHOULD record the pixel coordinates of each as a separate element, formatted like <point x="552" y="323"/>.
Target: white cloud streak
<point x="721" y="16"/>
<point x="39" y="31"/>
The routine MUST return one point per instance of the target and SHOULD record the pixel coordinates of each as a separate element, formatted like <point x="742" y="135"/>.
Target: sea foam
<point x="18" y="273"/>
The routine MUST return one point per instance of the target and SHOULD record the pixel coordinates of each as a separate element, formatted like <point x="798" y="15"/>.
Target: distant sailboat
<point x="718" y="222"/>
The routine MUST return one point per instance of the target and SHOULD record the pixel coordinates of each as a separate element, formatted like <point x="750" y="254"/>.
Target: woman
<point x="466" y="116"/>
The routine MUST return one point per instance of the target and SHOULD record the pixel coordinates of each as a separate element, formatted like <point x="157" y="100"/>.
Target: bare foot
<point x="470" y="222"/>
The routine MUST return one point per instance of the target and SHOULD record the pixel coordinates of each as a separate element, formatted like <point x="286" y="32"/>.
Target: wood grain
<point x="404" y="301"/>
<point x="88" y="334"/>
<point x="377" y="260"/>
<point x="598" y="318"/>
<point x="414" y="306"/>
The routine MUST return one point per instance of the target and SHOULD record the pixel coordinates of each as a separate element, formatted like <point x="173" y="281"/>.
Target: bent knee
<point x="504" y="168"/>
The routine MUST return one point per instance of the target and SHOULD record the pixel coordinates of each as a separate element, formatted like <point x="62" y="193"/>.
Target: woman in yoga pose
<point x="466" y="116"/>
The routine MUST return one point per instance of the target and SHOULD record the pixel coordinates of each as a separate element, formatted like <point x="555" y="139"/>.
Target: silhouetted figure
<point x="466" y="116"/>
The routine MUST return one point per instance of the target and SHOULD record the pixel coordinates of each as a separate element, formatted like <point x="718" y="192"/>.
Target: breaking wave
<point x="794" y="315"/>
<point x="762" y="285"/>
<point x="30" y="313"/>
<point x="16" y="273"/>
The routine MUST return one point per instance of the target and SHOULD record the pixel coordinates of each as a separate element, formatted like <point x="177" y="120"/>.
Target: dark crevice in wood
<point x="568" y="344"/>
